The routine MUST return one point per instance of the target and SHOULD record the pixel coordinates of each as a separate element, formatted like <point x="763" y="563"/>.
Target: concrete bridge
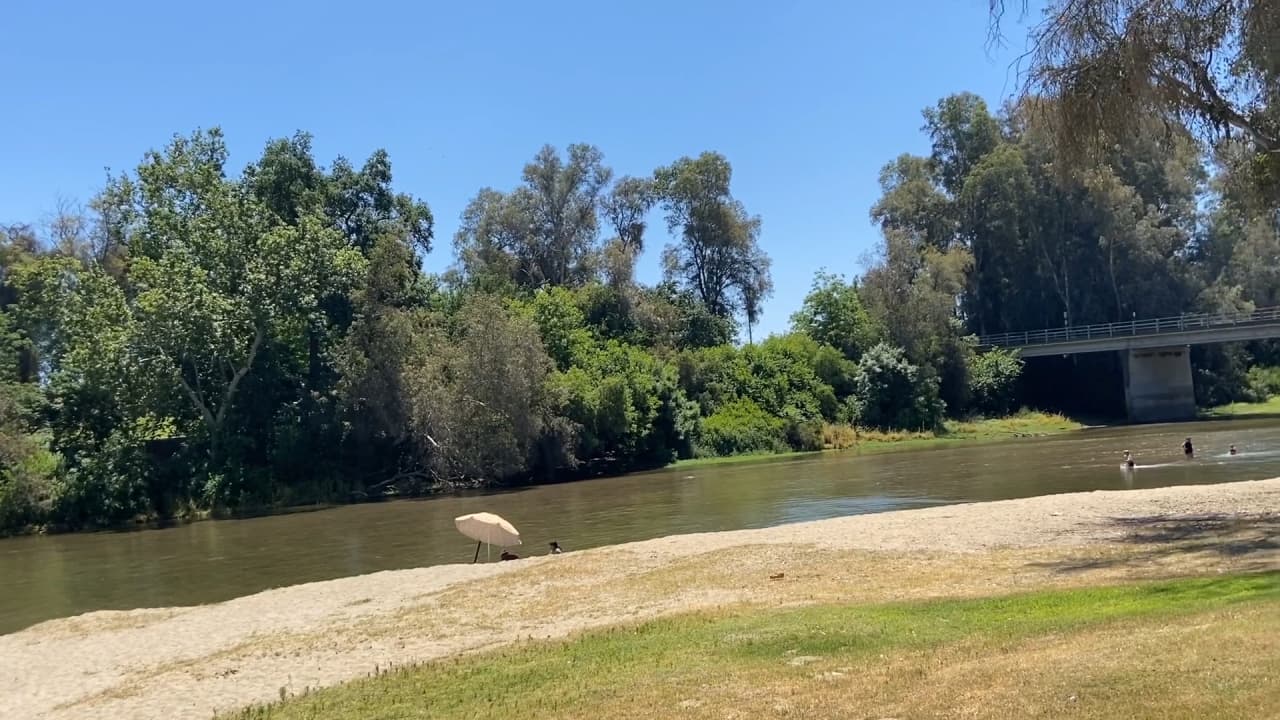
<point x="1155" y="353"/>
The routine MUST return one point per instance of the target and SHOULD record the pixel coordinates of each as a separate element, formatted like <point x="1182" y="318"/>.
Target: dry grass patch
<point x="550" y="600"/>
<point x="1185" y="648"/>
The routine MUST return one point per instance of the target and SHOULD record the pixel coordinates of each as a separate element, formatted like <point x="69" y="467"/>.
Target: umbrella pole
<point x="477" y="557"/>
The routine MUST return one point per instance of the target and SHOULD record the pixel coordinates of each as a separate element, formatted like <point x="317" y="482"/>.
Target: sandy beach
<point x="196" y="661"/>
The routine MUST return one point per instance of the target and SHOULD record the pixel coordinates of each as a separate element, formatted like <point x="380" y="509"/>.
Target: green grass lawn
<point x="1270" y="407"/>
<point x="1206" y="647"/>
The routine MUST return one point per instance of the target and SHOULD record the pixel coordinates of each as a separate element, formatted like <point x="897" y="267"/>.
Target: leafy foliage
<point x="718" y="256"/>
<point x="1209" y="66"/>
<point x="993" y="378"/>
<point x="832" y="314"/>
<point x="1263" y="382"/>
<point x="893" y="393"/>
<point x="741" y="427"/>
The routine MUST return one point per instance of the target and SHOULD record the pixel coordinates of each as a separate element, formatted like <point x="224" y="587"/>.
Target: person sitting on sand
<point x="555" y="548"/>
<point x="508" y="556"/>
<point x="1187" y="449"/>
<point x="1128" y="459"/>
<point x="1232" y="451"/>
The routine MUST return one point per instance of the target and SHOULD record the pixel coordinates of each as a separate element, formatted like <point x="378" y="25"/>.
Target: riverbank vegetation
<point x="1246" y="409"/>
<point x="203" y="337"/>
<point x="1096" y="652"/>
<point x="1025" y="423"/>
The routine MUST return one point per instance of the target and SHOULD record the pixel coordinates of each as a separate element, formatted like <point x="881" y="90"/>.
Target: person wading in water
<point x="1187" y="450"/>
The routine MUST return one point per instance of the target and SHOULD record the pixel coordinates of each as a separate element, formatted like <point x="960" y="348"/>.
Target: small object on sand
<point x="778" y="576"/>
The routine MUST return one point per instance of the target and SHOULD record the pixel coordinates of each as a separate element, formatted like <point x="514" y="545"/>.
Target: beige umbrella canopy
<point x="487" y="528"/>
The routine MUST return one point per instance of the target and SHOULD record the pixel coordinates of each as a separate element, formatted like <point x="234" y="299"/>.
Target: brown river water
<point x="63" y="575"/>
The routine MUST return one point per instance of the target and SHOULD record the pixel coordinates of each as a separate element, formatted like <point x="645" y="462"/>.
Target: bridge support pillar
<point x="1158" y="385"/>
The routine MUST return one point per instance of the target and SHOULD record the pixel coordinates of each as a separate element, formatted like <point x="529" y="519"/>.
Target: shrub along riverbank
<point x="1027" y="423"/>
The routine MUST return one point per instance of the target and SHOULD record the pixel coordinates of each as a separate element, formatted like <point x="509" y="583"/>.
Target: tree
<point x="913" y="293"/>
<point x="993" y="201"/>
<point x="718" y="256"/>
<point x="544" y="232"/>
<point x="625" y="208"/>
<point x="360" y="203"/>
<point x="562" y="326"/>
<point x="963" y="132"/>
<point x="479" y="396"/>
<point x="670" y="317"/>
<point x="833" y="314"/>
<point x="913" y="203"/>
<point x="374" y="360"/>
<point x="1213" y="66"/>
<point x="216" y="276"/>
<point x="627" y="406"/>
<point x="1239" y="247"/>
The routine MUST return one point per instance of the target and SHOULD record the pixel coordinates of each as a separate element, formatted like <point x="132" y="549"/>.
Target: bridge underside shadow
<point x="1155" y="355"/>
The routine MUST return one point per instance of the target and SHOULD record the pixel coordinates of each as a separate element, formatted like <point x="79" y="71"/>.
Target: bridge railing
<point x="1130" y="328"/>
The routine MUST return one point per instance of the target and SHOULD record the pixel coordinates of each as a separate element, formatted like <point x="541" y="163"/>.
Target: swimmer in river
<point x="1187" y="449"/>
<point x="1232" y="451"/>
<point x="1128" y="460"/>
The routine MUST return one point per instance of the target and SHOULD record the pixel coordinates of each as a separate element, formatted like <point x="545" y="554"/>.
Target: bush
<point x="894" y="394"/>
<point x="993" y="379"/>
<point x="805" y="435"/>
<point x="742" y="427"/>
<point x="627" y="404"/>
<point x="107" y="487"/>
<point x="26" y="482"/>
<point x="1263" y="383"/>
<point x="562" y="326"/>
<point x="777" y="375"/>
<point x="1219" y="374"/>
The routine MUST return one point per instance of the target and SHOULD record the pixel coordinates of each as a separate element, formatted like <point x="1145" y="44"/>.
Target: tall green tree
<point x="833" y="314"/>
<point x="546" y="231"/>
<point x="216" y="277"/>
<point x="718" y="255"/>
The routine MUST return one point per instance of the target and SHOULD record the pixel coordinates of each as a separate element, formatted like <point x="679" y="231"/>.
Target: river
<point x="62" y="575"/>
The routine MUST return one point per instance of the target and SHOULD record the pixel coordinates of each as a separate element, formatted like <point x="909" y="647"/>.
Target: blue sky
<point x="808" y="100"/>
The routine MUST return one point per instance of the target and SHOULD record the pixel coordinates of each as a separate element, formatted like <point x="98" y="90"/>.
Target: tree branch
<point x="195" y="398"/>
<point x="240" y="373"/>
<point x="1218" y="108"/>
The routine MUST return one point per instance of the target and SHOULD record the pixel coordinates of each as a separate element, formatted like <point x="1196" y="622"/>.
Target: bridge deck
<point x="1198" y="329"/>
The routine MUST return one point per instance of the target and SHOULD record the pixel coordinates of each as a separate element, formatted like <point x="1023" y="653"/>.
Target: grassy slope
<point x="1026" y="423"/>
<point x="1270" y="407"/>
<point x="1177" y="649"/>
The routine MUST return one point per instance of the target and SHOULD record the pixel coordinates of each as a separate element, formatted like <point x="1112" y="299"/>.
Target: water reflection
<point x="48" y="577"/>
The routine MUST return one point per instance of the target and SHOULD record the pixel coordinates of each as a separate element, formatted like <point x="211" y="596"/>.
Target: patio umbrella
<point x="488" y="529"/>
